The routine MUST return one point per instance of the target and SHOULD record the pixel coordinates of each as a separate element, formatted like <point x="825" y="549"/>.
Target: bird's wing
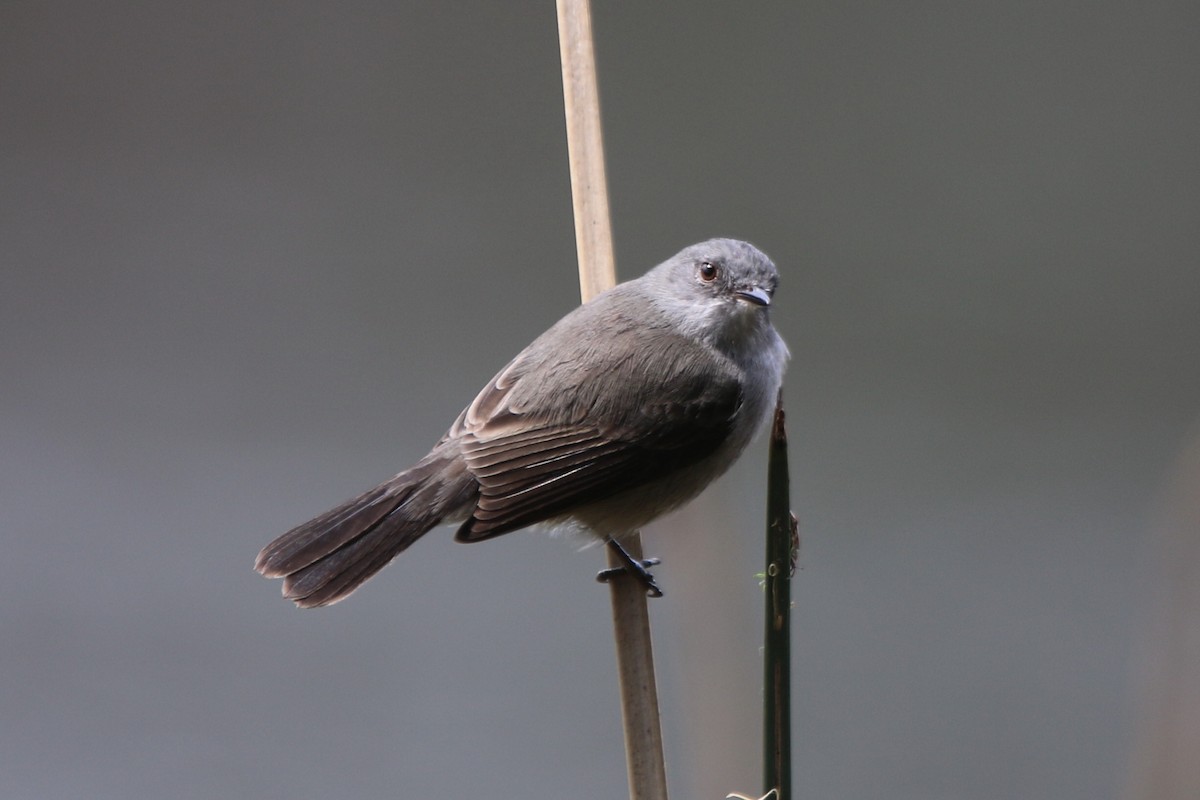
<point x="556" y="430"/>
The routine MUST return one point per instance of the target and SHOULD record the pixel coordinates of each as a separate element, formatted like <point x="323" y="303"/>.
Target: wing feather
<point x="550" y="434"/>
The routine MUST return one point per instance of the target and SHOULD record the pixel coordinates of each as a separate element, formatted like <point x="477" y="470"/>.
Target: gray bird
<point x="622" y="411"/>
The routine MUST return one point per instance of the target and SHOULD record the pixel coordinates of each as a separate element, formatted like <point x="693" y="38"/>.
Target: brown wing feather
<point x="529" y="469"/>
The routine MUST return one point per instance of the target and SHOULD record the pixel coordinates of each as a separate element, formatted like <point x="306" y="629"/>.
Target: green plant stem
<point x="782" y="544"/>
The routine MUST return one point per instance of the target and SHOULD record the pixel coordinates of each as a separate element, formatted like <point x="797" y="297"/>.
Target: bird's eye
<point x="708" y="271"/>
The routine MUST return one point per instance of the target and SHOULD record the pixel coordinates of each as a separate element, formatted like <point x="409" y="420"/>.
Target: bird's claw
<point x="637" y="569"/>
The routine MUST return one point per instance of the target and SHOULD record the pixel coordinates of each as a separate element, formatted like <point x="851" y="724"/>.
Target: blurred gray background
<point x="256" y="256"/>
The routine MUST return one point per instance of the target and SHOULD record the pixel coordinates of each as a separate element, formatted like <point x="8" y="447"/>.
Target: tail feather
<point x="341" y="572"/>
<point x="327" y="558"/>
<point x="308" y="543"/>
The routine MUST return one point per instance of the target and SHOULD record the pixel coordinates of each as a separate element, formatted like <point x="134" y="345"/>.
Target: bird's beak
<point x="754" y="295"/>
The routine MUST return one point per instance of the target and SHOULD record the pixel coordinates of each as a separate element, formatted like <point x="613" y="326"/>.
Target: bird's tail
<point x="325" y="559"/>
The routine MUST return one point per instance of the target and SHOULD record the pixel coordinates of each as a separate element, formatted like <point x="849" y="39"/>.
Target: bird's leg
<point x="633" y="567"/>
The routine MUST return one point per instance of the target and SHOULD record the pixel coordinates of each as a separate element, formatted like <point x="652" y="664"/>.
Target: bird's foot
<point x="634" y="567"/>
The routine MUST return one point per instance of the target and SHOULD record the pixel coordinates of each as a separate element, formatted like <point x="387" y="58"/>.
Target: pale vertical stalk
<point x="585" y="149"/>
<point x="593" y="239"/>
